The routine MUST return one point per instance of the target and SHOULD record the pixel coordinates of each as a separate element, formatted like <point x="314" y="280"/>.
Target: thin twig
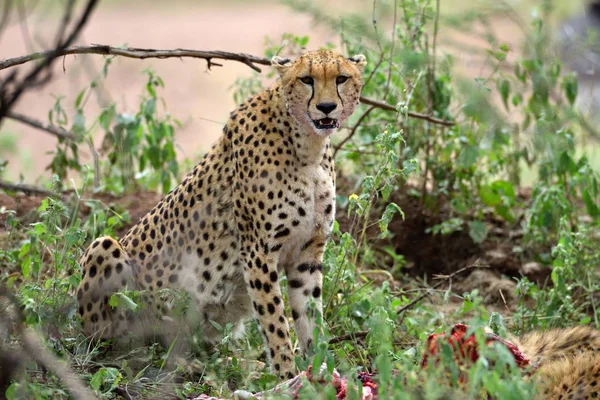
<point x="17" y="187"/>
<point x="443" y="279"/>
<point x="5" y="16"/>
<point x="123" y="393"/>
<point x="392" y="48"/>
<point x="349" y="336"/>
<point x="385" y="106"/>
<point x="65" y="23"/>
<point x="360" y="120"/>
<point x="25" y="33"/>
<point x="32" y="79"/>
<point x="141" y="54"/>
<point x="51" y="129"/>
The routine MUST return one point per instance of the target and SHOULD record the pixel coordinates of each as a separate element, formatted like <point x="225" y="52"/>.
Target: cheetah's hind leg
<point x="106" y="270"/>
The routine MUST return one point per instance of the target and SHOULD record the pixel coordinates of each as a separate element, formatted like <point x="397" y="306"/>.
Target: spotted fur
<point x="261" y="203"/>
<point x="567" y="361"/>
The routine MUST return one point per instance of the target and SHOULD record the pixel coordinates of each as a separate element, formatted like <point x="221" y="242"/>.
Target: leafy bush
<point x="461" y="150"/>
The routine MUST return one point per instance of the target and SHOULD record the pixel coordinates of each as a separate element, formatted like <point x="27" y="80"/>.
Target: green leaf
<point x="478" y="231"/>
<point x="120" y="299"/>
<point x="353" y="156"/>
<point x="489" y="197"/>
<point x="387" y="216"/>
<point x="570" y="87"/>
<point x="591" y="205"/>
<point x="98" y="379"/>
<point x="505" y="189"/>
<point x="79" y="98"/>
<point x="566" y="164"/>
<point x="504" y="89"/>
<point x="79" y="122"/>
<point x="468" y="156"/>
<point x="150" y="108"/>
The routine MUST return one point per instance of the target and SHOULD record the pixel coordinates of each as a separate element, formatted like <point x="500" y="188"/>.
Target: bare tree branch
<point x="141" y="54"/>
<point x="385" y="106"/>
<point x="51" y="129"/>
<point x="34" y="77"/>
<point x="353" y="131"/>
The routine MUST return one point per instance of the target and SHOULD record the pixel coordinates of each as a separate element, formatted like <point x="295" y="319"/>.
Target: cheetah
<point x="261" y="203"/>
<point x="567" y="362"/>
<point x="562" y="363"/>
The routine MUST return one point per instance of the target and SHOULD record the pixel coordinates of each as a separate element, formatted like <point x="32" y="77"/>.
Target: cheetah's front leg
<point x="262" y="279"/>
<point x="305" y="283"/>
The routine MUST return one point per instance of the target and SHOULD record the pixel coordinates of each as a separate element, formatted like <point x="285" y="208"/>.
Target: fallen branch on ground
<point x="27" y="189"/>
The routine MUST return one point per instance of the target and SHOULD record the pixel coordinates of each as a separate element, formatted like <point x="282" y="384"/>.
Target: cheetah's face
<point x="321" y="88"/>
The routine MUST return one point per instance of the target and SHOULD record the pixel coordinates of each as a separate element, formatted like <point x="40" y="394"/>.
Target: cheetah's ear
<point x="281" y="64"/>
<point x="359" y="60"/>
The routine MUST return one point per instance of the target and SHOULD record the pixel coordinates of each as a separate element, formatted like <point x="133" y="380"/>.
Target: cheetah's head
<point x="321" y="88"/>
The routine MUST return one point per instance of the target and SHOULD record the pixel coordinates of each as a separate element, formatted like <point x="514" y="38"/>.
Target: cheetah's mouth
<point x="326" y="123"/>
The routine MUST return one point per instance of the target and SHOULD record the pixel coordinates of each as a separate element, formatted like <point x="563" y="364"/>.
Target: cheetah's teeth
<point x="326" y="123"/>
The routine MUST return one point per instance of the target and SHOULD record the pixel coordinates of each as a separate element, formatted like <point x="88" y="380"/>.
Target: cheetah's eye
<point x="341" y="79"/>
<point x="307" y="80"/>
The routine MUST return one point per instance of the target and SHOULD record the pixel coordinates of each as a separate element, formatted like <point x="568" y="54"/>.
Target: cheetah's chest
<point x="314" y="206"/>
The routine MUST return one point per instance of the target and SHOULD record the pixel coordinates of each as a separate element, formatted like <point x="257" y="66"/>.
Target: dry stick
<point x="31" y="79"/>
<point x="15" y="187"/>
<point x="138" y="53"/>
<point x="51" y="129"/>
<point x="443" y="279"/>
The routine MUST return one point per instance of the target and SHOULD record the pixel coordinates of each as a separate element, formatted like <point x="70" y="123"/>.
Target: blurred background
<point x="200" y="98"/>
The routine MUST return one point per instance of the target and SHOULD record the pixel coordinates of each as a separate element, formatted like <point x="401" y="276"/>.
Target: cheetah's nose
<point x="326" y="108"/>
